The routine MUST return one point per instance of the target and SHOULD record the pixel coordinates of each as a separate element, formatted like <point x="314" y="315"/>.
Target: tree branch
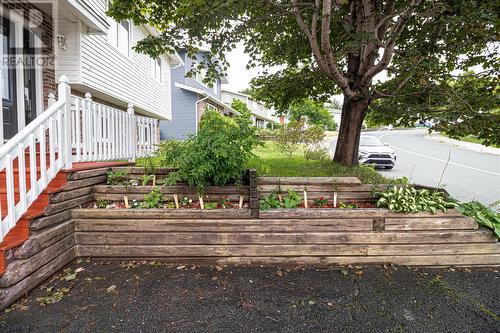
<point x="393" y="35"/>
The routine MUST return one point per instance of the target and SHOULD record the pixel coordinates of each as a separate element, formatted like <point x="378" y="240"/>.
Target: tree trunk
<point x="353" y="114"/>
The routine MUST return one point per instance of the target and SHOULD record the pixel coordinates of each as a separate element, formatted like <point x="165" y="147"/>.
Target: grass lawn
<point x="271" y="162"/>
<point x="474" y="139"/>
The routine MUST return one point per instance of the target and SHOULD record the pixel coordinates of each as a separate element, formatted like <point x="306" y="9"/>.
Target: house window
<point x="156" y="67"/>
<point x="200" y="76"/>
<point x="119" y="36"/>
<point x="212" y="107"/>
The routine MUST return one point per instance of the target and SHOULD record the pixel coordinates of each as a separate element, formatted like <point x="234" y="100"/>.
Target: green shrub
<point x="407" y="199"/>
<point x="116" y="177"/>
<point x="102" y="203"/>
<point x="146" y="179"/>
<point x="483" y="215"/>
<point x="153" y="199"/>
<point x="216" y="156"/>
<point x="348" y="205"/>
<point x="289" y="137"/>
<point x="312" y="138"/>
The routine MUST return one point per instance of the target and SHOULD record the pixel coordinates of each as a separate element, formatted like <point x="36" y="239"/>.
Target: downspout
<point x="196" y="110"/>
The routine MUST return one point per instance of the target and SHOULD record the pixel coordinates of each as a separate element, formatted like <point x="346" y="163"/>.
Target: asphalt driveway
<point x="153" y="297"/>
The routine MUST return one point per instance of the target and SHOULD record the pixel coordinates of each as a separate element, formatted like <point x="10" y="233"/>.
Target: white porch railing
<point x="72" y="129"/>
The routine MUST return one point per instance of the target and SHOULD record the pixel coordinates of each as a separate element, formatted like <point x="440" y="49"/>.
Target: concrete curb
<point x="462" y="144"/>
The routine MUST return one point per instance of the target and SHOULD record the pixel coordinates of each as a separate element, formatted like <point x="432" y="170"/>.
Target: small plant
<point x="146" y="179"/>
<point x="270" y="202"/>
<point x="211" y="205"/>
<point x="320" y="202"/>
<point x="117" y="177"/>
<point x="153" y="199"/>
<point x="225" y="202"/>
<point x="135" y="204"/>
<point x="133" y="182"/>
<point x="186" y="202"/>
<point x="102" y="203"/>
<point x="348" y="205"/>
<point x="407" y="199"/>
<point x="292" y="200"/>
<point x="170" y="205"/>
<point x="483" y="215"/>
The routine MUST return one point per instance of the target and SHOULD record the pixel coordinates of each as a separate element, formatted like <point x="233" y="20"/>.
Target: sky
<point x="237" y="75"/>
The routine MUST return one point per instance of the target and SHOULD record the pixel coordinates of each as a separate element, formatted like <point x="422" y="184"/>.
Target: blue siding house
<point x="190" y="98"/>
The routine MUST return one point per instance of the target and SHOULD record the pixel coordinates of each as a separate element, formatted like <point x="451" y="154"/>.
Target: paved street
<point x="469" y="175"/>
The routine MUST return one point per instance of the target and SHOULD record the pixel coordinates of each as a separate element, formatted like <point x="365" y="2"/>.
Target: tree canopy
<point x="315" y="112"/>
<point x="324" y="47"/>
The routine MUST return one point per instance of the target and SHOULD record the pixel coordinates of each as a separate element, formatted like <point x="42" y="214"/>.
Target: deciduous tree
<point x="325" y="47"/>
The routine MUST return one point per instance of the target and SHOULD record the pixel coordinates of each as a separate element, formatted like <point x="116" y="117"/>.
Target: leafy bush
<point x="407" y="199"/>
<point x="483" y="215"/>
<point x="289" y="137"/>
<point x="153" y="199"/>
<point x="217" y="155"/>
<point x="116" y="177"/>
<point x="291" y="200"/>
<point x="146" y="179"/>
<point x="102" y="203"/>
<point x="312" y="138"/>
<point x="266" y="134"/>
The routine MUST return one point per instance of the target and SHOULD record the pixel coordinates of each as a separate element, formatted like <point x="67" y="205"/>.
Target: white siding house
<point x="102" y="61"/>
<point x="260" y="114"/>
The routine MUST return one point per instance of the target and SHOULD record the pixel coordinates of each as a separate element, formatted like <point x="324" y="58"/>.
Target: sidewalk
<point x="435" y="136"/>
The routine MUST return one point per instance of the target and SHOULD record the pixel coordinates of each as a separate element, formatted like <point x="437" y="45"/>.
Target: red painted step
<point x="20" y="233"/>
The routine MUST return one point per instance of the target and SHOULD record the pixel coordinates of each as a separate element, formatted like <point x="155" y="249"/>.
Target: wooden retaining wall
<point x="304" y="236"/>
<point x="51" y="244"/>
<point x="347" y="188"/>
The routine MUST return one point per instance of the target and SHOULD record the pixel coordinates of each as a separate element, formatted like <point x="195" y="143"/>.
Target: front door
<point x="9" y="100"/>
<point x="29" y="76"/>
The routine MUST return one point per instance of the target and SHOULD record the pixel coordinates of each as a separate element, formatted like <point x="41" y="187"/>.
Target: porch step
<point x="20" y="233"/>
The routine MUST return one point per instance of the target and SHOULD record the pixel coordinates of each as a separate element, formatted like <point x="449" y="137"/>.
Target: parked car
<point x="373" y="151"/>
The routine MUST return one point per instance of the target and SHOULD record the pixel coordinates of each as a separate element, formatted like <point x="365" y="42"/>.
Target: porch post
<point x="132" y="133"/>
<point x="64" y="94"/>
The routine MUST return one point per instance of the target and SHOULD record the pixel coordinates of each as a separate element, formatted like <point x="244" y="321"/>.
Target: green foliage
<point x="210" y="205"/>
<point x="315" y="112"/>
<point x="323" y="50"/>
<point x="289" y="137"/>
<point x="118" y="177"/>
<point x="407" y="199"/>
<point x="266" y="133"/>
<point x="241" y="107"/>
<point x="320" y="202"/>
<point x="224" y="202"/>
<point x="216" y="156"/>
<point x="153" y="199"/>
<point x="291" y="200"/>
<point x="146" y="179"/>
<point x="348" y="205"/>
<point x="466" y="105"/>
<point x="170" y="205"/>
<point x="312" y="138"/>
<point x="483" y="215"/>
<point x="102" y="203"/>
<point x="269" y="161"/>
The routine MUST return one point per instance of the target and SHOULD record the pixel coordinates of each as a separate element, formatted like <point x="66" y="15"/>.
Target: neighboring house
<point x="261" y="115"/>
<point x="190" y="98"/>
<point x="335" y="113"/>
<point x="91" y="49"/>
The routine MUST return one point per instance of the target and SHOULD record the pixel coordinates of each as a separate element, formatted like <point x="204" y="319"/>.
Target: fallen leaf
<point x="111" y="289"/>
<point x="79" y="269"/>
<point x="218" y="268"/>
<point x="344" y="271"/>
<point x="180" y="267"/>
<point x="279" y="273"/>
